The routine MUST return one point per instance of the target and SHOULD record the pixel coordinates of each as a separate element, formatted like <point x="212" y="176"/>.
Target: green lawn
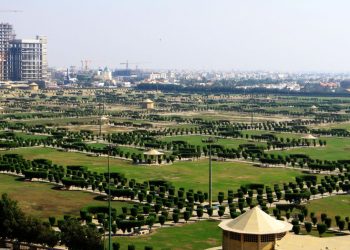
<point x="43" y="199"/>
<point x="197" y="140"/>
<point x="200" y="235"/>
<point x="124" y="149"/>
<point x="332" y="206"/>
<point x="336" y="149"/>
<point x="189" y="174"/>
<point x="30" y="136"/>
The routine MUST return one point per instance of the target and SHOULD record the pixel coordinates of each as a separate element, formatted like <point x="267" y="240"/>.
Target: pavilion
<point x="309" y="137"/>
<point x="253" y="230"/>
<point x="154" y="154"/>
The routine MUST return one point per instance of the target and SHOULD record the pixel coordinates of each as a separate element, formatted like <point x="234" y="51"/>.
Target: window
<point x="250" y="238"/>
<point x="235" y="236"/>
<point x="268" y="238"/>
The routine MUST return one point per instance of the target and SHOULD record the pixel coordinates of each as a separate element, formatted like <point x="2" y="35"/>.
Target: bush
<point x="341" y="225"/>
<point x="131" y="247"/>
<point x="321" y="228"/>
<point x="328" y="222"/>
<point x="308" y="227"/>
<point x="52" y="220"/>
<point x="116" y="246"/>
<point x="296" y="229"/>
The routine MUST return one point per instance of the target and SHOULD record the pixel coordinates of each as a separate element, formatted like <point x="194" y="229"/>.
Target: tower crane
<point x="127" y="63"/>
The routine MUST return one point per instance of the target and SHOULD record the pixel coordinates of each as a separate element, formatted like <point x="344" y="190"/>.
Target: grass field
<point x="336" y="149"/>
<point x="332" y="206"/>
<point x="43" y="199"/>
<point x="30" y="136"/>
<point x="200" y="235"/>
<point x="191" y="174"/>
<point x="197" y="140"/>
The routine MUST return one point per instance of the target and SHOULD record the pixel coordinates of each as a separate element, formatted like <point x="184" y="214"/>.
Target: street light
<point x="109" y="200"/>
<point x="210" y="141"/>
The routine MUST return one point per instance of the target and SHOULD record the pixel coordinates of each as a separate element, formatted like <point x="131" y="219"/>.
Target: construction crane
<point x="127" y="63"/>
<point x="85" y="64"/>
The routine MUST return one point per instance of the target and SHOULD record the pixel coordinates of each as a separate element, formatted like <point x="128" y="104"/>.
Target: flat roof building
<point x="27" y="59"/>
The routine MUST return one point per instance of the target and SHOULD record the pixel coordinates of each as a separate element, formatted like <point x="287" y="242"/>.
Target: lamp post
<point x="210" y="141"/>
<point x="109" y="200"/>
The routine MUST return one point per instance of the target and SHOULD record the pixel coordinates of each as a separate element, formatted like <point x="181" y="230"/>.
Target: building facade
<point x="6" y="35"/>
<point x="28" y="59"/>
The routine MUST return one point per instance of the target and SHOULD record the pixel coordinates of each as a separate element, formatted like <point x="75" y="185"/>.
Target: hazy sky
<point x="286" y="35"/>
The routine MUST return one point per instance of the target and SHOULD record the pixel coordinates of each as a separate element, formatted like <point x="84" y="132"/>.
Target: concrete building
<point x="6" y="35"/>
<point x="253" y="230"/>
<point x="148" y="104"/>
<point x="28" y="59"/>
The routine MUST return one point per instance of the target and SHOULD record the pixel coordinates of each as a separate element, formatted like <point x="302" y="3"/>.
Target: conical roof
<point x="148" y="101"/>
<point x="309" y="136"/>
<point x="255" y="221"/>
<point x="153" y="152"/>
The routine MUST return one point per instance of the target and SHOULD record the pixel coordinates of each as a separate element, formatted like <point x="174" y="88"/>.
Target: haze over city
<point x="186" y="34"/>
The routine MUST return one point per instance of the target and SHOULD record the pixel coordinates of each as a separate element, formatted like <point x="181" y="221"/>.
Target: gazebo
<point x="154" y="154"/>
<point x="309" y="137"/>
<point x="148" y="104"/>
<point x="33" y="86"/>
<point x="253" y="230"/>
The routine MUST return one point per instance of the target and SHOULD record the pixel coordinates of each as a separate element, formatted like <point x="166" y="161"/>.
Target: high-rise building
<point x="6" y="35"/>
<point x="28" y="60"/>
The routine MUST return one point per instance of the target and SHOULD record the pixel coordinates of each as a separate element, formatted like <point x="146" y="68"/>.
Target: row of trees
<point x="20" y="228"/>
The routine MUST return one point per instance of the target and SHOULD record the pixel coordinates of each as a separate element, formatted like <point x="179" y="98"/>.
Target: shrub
<point x="296" y="229"/>
<point x="308" y="227"/>
<point x="116" y="246"/>
<point x="131" y="247"/>
<point x="321" y="228"/>
<point x="341" y="225"/>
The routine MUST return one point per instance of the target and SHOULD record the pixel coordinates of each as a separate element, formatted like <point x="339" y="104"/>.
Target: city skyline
<point x="193" y="35"/>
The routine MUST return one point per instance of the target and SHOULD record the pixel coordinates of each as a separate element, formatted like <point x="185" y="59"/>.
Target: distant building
<point x="105" y="74"/>
<point x="148" y="104"/>
<point x="28" y="59"/>
<point x="6" y="35"/>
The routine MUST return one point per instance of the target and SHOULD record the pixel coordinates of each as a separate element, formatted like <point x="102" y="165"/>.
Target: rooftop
<point x="255" y="221"/>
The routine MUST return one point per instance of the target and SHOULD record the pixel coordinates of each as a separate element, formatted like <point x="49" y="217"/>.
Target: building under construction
<point x="22" y="59"/>
<point x="28" y="59"/>
<point x="6" y="35"/>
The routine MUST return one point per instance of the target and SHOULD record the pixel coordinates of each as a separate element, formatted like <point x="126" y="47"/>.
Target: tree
<point x="116" y="246"/>
<point x="210" y="211"/>
<point x="149" y="222"/>
<point x="321" y="228"/>
<point x="308" y="227"/>
<point x="76" y="236"/>
<point x="296" y="229"/>
<point x="161" y="219"/>
<point x="328" y="222"/>
<point x="341" y="225"/>
<point x="199" y="212"/>
<point x="221" y="212"/>
<point x="52" y="220"/>
<point x="175" y="217"/>
<point x="187" y="216"/>
<point x="314" y="220"/>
